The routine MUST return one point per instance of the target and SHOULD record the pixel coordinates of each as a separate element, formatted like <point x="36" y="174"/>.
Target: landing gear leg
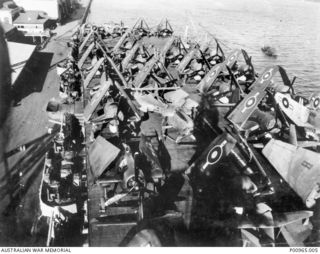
<point x="314" y="238"/>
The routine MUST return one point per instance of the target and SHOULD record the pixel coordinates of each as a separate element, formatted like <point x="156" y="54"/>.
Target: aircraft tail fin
<point x="293" y="135"/>
<point x="220" y="49"/>
<point x="285" y="78"/>
<point x="248" y="60"/>
<point x="279" y="220"/>
<point x="281" y="163"/>
<point x="234" y="80"/>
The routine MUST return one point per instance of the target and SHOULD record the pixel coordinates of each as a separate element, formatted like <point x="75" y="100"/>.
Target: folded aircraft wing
<point x="219" y="148"/>
<point x="101" y="154"/>
<point x="210" y="77"/>
<point x="232" y="58"/>
<point x="85" y="55"/>
<point x="298" y="113"/>
<point x="95" y="100"/>
<point x="241" y="113"/>
<point x="279" y="220"/>
<point x="185" y="61"/>
<point x="299" y="167"/>
<point x="166" y="47"/>
<point x="143" y="74"/>
<point x="92" y="72"/>
<point x="130" y="54"/>
<point x="121" y="40"/>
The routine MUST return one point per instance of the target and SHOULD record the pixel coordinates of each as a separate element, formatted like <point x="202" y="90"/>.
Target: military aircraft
<point x="210" y="77"/>
<point x="176" y="53"/>
<point x="168" y="45"/>
<point x="104" y="86"/>
<point x="285" y="108"/>
<point x="124" y="44"/>
<point x="153" y="68"/>
<point x="299" y="167"/>
<point x="179" y="120"/>
<point x="136" y="60"/>
<point x="302" y="166"/>
<point x="216" y="70"/>
<point x="85" y="55"/>
<point x="240" y="114"/>
<point x="130" y="55"/>
<point x="278" y="225"/>
<point x="297" y="164"/>
<point x="299" y="114"/>
<point x="187" y="58"/>
<point x="85" y="41"/>
<point x="163" y="29"/>
<point x="147" y="88"/>
<point x="197" y="61"/>
<point x="140" y="27"/>
<point x="227" y="147"/>
<point x="314" y="101"/>
<point x="175" y="112"/>
<point x="229" y="74"/>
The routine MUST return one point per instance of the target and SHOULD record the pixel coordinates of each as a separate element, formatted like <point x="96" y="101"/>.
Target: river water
<point x="291" y="26"/>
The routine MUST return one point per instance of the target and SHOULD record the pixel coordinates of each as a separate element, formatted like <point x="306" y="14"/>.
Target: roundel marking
<point x="316" y="102"/>
<point x="250" y="102"/>
<point x="266" y="75"/>
<point x="230" y="60"/>
<point x="213" y="73"/>
<point x="285" y="102"/>
<point x="214" y="155"/>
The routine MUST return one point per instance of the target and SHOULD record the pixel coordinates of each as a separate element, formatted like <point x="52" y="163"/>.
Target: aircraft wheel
<point x="150" y="234"/>
<point x="145" y="238"/>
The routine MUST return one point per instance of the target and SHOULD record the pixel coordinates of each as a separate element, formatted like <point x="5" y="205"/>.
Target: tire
<point x="145" y="238"/>
<point x="150" y="234"/>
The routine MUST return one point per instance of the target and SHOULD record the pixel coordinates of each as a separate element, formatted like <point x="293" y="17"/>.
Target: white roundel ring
<point x="230" y="60"/>
<point x="285" y="102"/>
<point x="214" y="155"/>
<point x="213" y="73"/>
<point x="250" y="102"/>
<point x="266" y="75"/>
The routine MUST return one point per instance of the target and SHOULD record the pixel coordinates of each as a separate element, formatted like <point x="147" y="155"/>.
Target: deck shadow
<point x="33" y="76"/>
<point x="25" y="165"/>
<point x="19" y="215"/>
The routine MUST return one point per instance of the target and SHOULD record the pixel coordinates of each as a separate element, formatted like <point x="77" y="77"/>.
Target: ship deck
<point x="28" y="123"/>
<point x="21" y="173"/>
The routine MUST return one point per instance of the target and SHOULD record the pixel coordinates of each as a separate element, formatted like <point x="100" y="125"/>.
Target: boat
<point x="269" y="51"/>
